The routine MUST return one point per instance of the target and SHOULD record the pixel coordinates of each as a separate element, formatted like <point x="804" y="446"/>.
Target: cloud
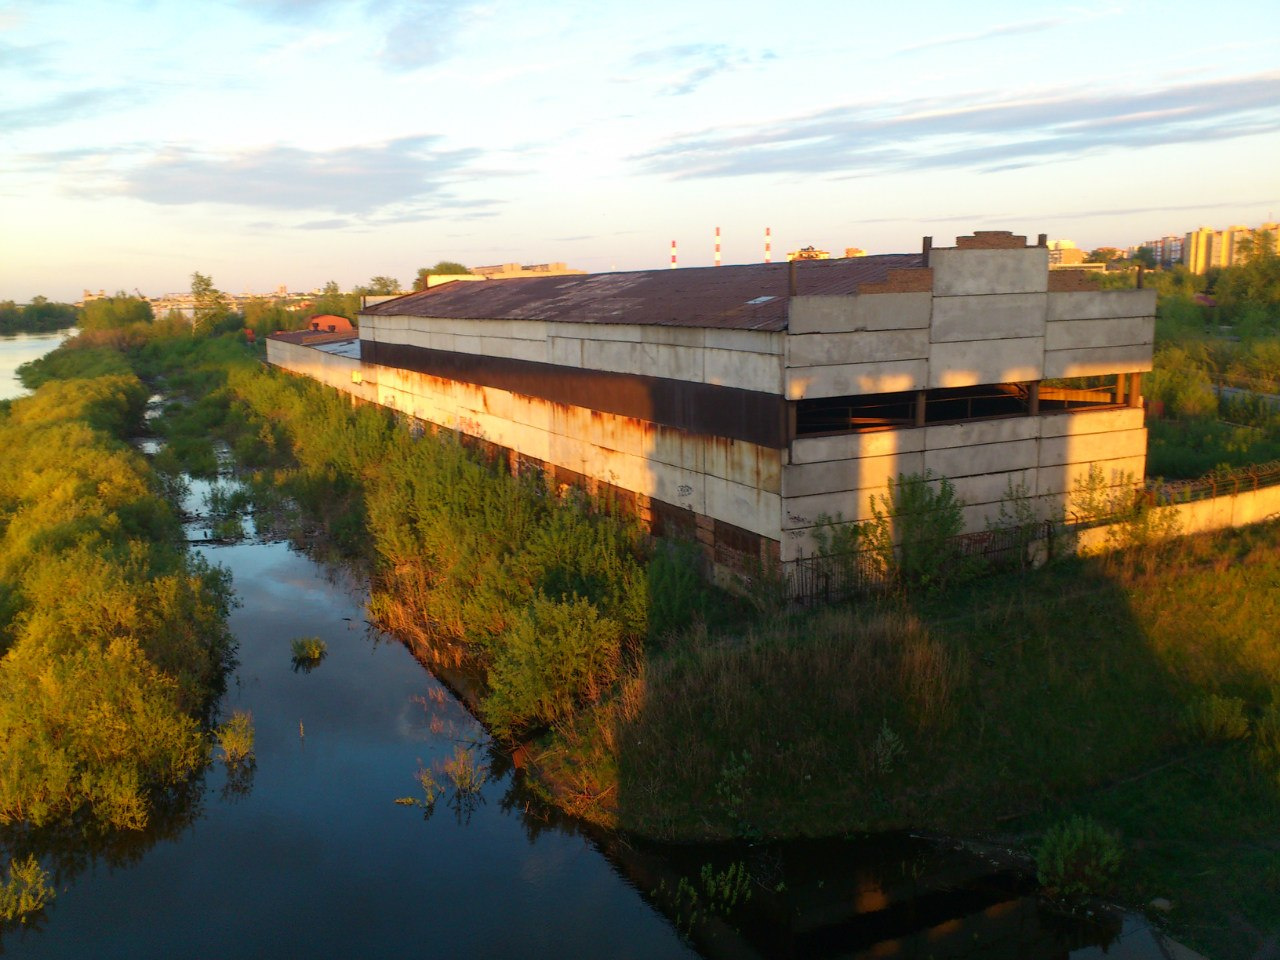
<point x="421" y="33"/>
<point x="14" y="56"/>
<point x="339" y="223"/>
<point x="694" y="63"/>
<point x="986" y="132"/>
<point x="1005" y="30"/>
<point x="72" y="105"/>
<point x="351" y="180"/>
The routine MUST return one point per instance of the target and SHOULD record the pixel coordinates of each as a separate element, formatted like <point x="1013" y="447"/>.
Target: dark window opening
<point x="911" y="408"/>
<point x="874" y="411"/>
<point x="1079" y="393"/>
<point x="977" y="403"/>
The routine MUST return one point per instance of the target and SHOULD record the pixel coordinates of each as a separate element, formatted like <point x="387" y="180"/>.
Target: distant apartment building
<point x="1064" y="253"/>
<point x="809" y="253"/>
<point x="511" y="271"/>
<point x="1206" y="248"/>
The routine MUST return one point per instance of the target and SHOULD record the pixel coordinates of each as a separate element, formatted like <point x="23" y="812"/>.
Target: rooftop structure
<point x="741" y="404"/>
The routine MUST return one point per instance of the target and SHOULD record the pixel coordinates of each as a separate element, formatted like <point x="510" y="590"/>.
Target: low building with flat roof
<point x="742" y="404"/>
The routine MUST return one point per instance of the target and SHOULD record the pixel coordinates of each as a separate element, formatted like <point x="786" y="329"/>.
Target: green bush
<point x="235" y="737"/>
<point x="1266" y="732"/>
<point x="1078" y="858"/>
<point x="26" y="892"/>
<point x="556" y="656"/>
<point x="1211" y="719"/>
<point x="913" y="532"/>
<point x="308" y="650"/>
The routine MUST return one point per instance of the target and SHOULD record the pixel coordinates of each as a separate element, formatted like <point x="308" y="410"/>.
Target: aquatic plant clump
<point x="308" y="651"/>
<point x="26" y="892"/>
<point x="1078" y="858"/>
<point x="235" y="737"/>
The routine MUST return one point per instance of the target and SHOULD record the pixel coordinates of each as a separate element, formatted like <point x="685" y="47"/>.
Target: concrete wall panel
<point x="977" y="432"/>
<point x="994" y="317"/>
<point x="1091" y="421"/>
<point x="1088" y="334"/>
<point x="1097" y="361"/>
<point x="748" y="371"/>
<point x="835" y="476"/>
<point x="1101" y="304"/>
<point x="955" y="462"/>
<point x="851" y="446"/>
<point x="853" y="379"/>
<point x="821" y="349"/>
<point x="968" y="272"/>
<point x="871" y="311"/>
<point x="974" y="362"/>
<point x="1086" y="447"/>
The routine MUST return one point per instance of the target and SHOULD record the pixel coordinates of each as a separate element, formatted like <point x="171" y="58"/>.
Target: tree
<point x="1104" y="255"/>
<point x="1145" y="256"/>
<point x="333" y="300"/>
<point x="382" y="286"/>
<point x="442" y="268"/>
<point x="209" y="301"/>
<point x="115" y="313"/>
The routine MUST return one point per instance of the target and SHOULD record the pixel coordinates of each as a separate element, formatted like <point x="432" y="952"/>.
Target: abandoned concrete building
<point x="739" y="404"/>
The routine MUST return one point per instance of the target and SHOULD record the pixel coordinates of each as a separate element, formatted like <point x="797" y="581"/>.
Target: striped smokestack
<point x="673" y="254"/>
<point x="717" y="246"/>
<point x="768" y="246"/>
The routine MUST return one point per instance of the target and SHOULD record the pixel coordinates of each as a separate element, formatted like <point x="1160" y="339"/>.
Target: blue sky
<point x="270" y="142"/>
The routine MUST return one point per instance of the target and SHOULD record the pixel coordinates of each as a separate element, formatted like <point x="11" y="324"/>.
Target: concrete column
<point x="1135" y="389"/>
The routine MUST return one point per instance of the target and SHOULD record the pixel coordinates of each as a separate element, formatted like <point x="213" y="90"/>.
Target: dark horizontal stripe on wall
<point x="701" y="408"/>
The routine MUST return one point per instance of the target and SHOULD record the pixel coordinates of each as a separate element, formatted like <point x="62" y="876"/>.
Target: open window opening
<point x="858" y="414"/>
<point x="984" y="402"/>
<point x="1082" y="393"/>
<point x="911" y="408"/>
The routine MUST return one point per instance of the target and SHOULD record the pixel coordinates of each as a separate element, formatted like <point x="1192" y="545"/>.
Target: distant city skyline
<point x="271" y="143"/>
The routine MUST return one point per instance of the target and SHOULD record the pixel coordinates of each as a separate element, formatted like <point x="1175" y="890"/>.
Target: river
<point x="16" y="349"/>
<point x="308" y="854"/>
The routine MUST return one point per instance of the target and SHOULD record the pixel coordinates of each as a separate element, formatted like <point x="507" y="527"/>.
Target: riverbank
<point x="658" y="707"/>
<point x="1000" y="709"/>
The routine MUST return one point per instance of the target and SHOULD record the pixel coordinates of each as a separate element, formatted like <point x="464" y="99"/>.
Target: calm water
<point x="16" y="350"/>
<point x="307" y="854"/>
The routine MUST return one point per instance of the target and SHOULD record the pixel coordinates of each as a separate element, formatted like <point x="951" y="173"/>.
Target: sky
<point x="270" y="143"/>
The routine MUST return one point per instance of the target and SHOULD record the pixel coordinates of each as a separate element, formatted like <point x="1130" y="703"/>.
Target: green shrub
<point x="913" y="532"/>
<point x="1266" y="732"/>
<point x="235" y="737"/>
<point x="1078" y="858"/>
<point x="26" y="892"/>
<point x="557" y="655"/>
<point x="308" y="650"/>
<point x="1211" y="718"/>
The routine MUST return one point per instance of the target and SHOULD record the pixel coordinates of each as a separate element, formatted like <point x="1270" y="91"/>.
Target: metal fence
<point x="1218" y="484"/>
<point x="831" y="577"/>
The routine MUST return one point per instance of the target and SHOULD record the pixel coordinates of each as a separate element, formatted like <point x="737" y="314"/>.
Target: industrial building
<point x="741" y="404"/>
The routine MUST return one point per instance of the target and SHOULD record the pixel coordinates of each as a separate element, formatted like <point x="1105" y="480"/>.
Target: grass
<point x="1004" y="708"/>
<point x="308" y="651"/>
<point x="1112" y="687"/>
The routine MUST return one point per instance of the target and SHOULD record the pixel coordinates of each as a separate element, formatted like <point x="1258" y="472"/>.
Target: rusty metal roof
<point x="747" y="297"/>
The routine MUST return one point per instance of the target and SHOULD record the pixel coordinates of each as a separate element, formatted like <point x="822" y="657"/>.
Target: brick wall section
<point x="912" y="280"/>
<point x="991" y="240"/>
<point x="1067" y="281"/>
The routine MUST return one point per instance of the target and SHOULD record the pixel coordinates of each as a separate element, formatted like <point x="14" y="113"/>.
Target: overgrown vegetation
<point x="26" y="891"/>
<point x="235" y="737"/>
<point x="1078" y="858"/>
<point x="102" y="686"/>
<point x="653" y="705"/>
<point x="307" y="652"/>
